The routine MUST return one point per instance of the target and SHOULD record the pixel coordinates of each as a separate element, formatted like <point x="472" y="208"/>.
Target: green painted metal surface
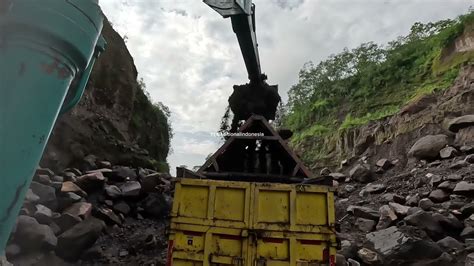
<point x="44" y="46"/>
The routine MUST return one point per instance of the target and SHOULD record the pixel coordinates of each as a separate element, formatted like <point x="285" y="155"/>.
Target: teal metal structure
<point x="44" y="46"/>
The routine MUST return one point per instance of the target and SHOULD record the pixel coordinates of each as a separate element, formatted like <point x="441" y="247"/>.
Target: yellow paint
<point x="241" y="223"/>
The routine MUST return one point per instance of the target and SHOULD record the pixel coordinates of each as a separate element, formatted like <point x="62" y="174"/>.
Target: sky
<point x="189" y="58"/>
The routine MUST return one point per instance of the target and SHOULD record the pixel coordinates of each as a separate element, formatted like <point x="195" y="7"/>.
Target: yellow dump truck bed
<point x="243" y="223"/>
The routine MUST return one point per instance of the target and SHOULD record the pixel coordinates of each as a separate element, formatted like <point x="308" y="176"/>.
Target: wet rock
<point x="464" y="188"/>
<point x="459" y="165"/>
<point x="43" y="214"/>
<point x="107" y="215"/>
<point x="461" y="122"/>
<point x="368" y="256"/>
<point x="66" y="221"/>
<point x="69" y="186"/>
<point x="31" y="197"/>
<point x="80" y="209"/>
<point x="361" y="173"/>
<point x="31" y="235"/>
<point x="387" y="217"/>
<point x="428" y="147"/>
<point x="425" y="221"/>
<point x="400" y="210"/>
<point x="448" y="152"/>
<point x="113" y="191"/>
<point x="413" y="200"/>
<point x="131" y="189"/>
<point x="80" y="237"/>
<point x="384" y="164"/>
<point x="365" y="225"/>
<point x="91" y="182"/>
<point x="338" y="176"/>
<point x="155" y="205"/>
<point x="439" y="195"/>
<point x="122" y="207"/>
<point x="46" y="194"/>
<point x="425" y="204"/>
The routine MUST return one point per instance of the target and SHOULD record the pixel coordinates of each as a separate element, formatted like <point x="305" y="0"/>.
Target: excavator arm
<point x="242" y="14"/>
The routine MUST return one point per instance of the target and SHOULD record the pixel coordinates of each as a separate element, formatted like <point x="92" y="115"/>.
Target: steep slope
<point x="376" y="99"/>
<point x="115" y="120"/>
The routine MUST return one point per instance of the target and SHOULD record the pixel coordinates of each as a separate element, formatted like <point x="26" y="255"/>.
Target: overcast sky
<point x="189" y="57"/>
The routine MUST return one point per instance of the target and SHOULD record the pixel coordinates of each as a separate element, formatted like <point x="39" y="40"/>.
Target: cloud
<point x="189" y="57"/>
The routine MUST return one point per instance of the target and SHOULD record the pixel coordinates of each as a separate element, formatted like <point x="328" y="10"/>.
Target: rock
<point x="447" y="186"/>
<point x="434" y="163"/>
<point x="363" y="212"/>
<point x="387" y="241"/>
<point x="43" y="179"/>
<point x="44" y="171"/>
<point x="387" y="217"/>
<point x="349" y="188"/>
<point x="4" y="261"/>
<point x="459" y="165"/>
<point x="468" y="209"/>
<point x="69" y="186"/>
<point x="470" y="259"/>
<point x="66" y="221"/>
<point x="68" y="176"/>
<point x="43" y="214"/>
<point x="67" y="199"/>
<point x="150" y="182"/>
<point x="425" y="204"/>
<point x="448" y="152"/>
<point x="365" y="225"/>
<point x="428" y="147"/>
<point x="460" y="122"/>
<point x="338" y="176"/>
<point x="107" y="215"/>
<point x="361" y="173"/>
<point x="93" y="254"/>
<point x="104" y="164"/>
<point x="469" y="222"/>
<point x="353" y="262"/>
<point x="465" y="137"/>
<point x="122" y="173"/>
<point x="467" y="232"/>
<point x="435" y="180"/>
<point x="413" y="200"/>
<point x="12" y="250"/>
<point x="467" y="149"/>
<point x="425" y="221"/>
<point x="374" y="188"/>
<point x="31" y="235"/>
<point x="91" y="182"/>
<point x="469" y="158"/>
<point x="80" y="237"/>
<point x="46" y="194"/>
<point x="384" y="164"/>
<point x="31" y="197"/>
<point x="80" y="209"/>
<point x="387" y="197"/>
<point x="400" y="210"/>
<point x="325" y="171"/>
<point x="88" y="163"/>
<point x="439" y="195"/>
<point x="340" y="260"/>
<point x="368" y="256"/>
<point x="464" y="188"/>
<point x="131" y="189"/>
<point x="155" y="205"/>
<point x="113" y="191"/>
<point x="122" y="207"/>
<point x="57" y="178"/>
<point x="449" y="223"/>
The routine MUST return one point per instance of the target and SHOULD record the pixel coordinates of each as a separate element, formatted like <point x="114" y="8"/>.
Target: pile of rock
<point x="65" y="213"/>
<point x="422" y="216"/>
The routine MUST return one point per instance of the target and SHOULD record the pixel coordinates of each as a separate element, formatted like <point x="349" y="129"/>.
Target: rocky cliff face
<point x="114" y="120"/>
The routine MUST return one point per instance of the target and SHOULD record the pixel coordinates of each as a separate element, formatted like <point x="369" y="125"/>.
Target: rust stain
<point x="56" y="67"/>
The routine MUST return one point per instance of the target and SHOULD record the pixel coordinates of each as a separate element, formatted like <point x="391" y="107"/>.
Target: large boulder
<point x="30" y="235"/>
<point x="80" y="237"/>
<point x="461" y="122"/>
<point x="46" y="193"/>
<point x="131" y="189"/>
<point x="387" y="217"/>
<point x="464" y="188"/>
<point x="80" y="209"/>
<point x="363" y="212"/>
<point x="91" y="182"/>
<point x="428" y="147"/>
<point x="66" y="221"/>
<point x="155" y="205"/>
<point x="361" y="173"/>
<point x="465" y="137"/>
<point x="426" y="222"/>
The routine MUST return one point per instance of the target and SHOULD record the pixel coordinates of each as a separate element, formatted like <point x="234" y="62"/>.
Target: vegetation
<point x="372" y="81"/>
<point x="151" y="121"/>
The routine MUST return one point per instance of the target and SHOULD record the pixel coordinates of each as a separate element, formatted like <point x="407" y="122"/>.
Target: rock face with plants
<point x="115" y="119"/>
<point x="376" y="100"/>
